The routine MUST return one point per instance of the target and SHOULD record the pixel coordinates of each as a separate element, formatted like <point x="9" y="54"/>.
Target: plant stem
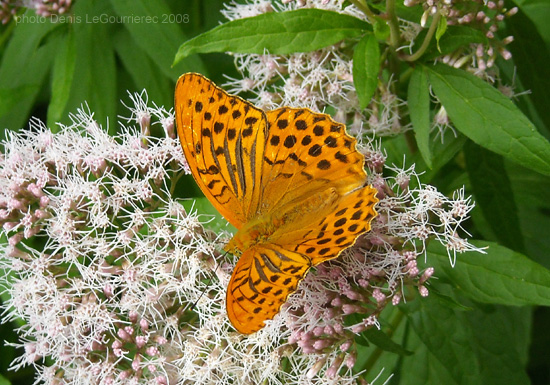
<point x="397" y="319"/>
<point x="433" y="27"/>
<point x="363" y="7"/>
<point x="393" y="24"/>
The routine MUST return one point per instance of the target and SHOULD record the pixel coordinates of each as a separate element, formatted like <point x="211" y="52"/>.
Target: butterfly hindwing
<point x="326" y="238"/>
<point x="262" y="280"/>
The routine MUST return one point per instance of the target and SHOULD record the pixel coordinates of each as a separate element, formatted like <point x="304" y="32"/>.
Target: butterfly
<point x="290" y="180"/>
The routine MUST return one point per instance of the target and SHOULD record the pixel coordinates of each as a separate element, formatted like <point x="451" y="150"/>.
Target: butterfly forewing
<point x="223" y="138"/>
<point x="307" y="152"/>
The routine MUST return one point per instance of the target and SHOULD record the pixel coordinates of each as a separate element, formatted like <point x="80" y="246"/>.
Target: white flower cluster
<point x="324" y="78"/>
<point x="316" y="80"/>
<point x="373" y="273"/>
<point x="115" y="281"/>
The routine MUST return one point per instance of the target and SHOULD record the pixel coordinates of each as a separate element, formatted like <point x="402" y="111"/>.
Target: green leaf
<point x="440" y="31"/>
<point x="62" y="77"/>
<point x="143" y="70"/>
<point x="531" y="57"/>
<point x="456" y="347"/>
<point x="448" y="300"/>
<point x="95" y="67"/>
<point x="443" y="153"/>
<point x="431" y="372"/>
<point x="4" y="380"/>
<point x="25" y="64"/>
<point x="490" y="119"/>
<point x="381" y="340"/>
<point x="501" y="276"/>
<point x="366" y="66"/>
<point x="493" y="194"/>
<point x="279" y="33"/>
<point x="419" y="107"/>
<point x="158" y="36"/>
<point x="531" y="196"/>
<point x="454" y="38"/>
<point x="539" y="12"/>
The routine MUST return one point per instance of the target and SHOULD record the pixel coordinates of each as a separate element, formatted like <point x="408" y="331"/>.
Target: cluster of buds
<point x="48" y="8"/>
<point x="345" y="296"/>
<point x="43" y="8"/>
<point x="126" y="287"/>
<point x="484" y="16"/>
<point x="8" y="10"/>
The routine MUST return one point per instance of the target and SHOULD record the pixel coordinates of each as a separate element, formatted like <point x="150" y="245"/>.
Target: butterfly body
<point x="284" y="226"/>
<point x="290" y="180"/>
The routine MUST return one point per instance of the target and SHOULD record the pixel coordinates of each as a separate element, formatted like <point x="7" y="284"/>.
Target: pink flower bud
<point x="329" y="330"/>
<point x="108" y="290"/>
<point x="141" y="341"/>
<point x="512" y="12"/>
<point x="378" y="295"/>
<point x="160" y="340"/>
<point x="319" y="330"/>
<point x="350" y="360"/>
<point x="144" y="325"/>
<point x="423" y="291"/>
<point x="124" y="335"/>
<point x="136" y="363"/>
<point x="168" y="126"/>
<point x="359" y="328"/>
<point x="346" y="345"/>
<point x="8" y="226"/>
<point x="125" y="374"/>
<point x="427" y="274"/>
<point x="15" y="239"/>
<point x="44" y="201"/>
<point x="333" y="369"/>
<point x="133" y="316"/>
<point x="396" y="299"/>
<point x="350" y="309"/>
<point x="152" y="351"/>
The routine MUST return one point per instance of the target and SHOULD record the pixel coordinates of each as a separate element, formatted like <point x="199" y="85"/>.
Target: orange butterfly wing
<point x="290" y="180"/>
<point x="314" y="204"/>
<point x="305" y="152"/>
<point x="223" y="138"/>
<point x="262" y="280"/>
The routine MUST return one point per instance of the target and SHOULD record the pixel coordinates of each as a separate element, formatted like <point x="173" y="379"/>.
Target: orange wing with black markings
<point x="291" y="180"/>
<point x="223" y="138"/>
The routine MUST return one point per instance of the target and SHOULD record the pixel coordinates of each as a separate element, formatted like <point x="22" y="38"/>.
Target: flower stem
<point x="433" y="27"/>
<point x="393" y="24"/>
<point x="397" y="319"/>
<point x="363" y="6"/>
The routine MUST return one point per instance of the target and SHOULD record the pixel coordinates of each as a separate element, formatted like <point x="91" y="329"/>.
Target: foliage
<point x="480" y="323"/>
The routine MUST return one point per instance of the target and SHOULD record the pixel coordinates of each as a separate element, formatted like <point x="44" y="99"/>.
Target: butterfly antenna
<point x="207" y="286"/>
